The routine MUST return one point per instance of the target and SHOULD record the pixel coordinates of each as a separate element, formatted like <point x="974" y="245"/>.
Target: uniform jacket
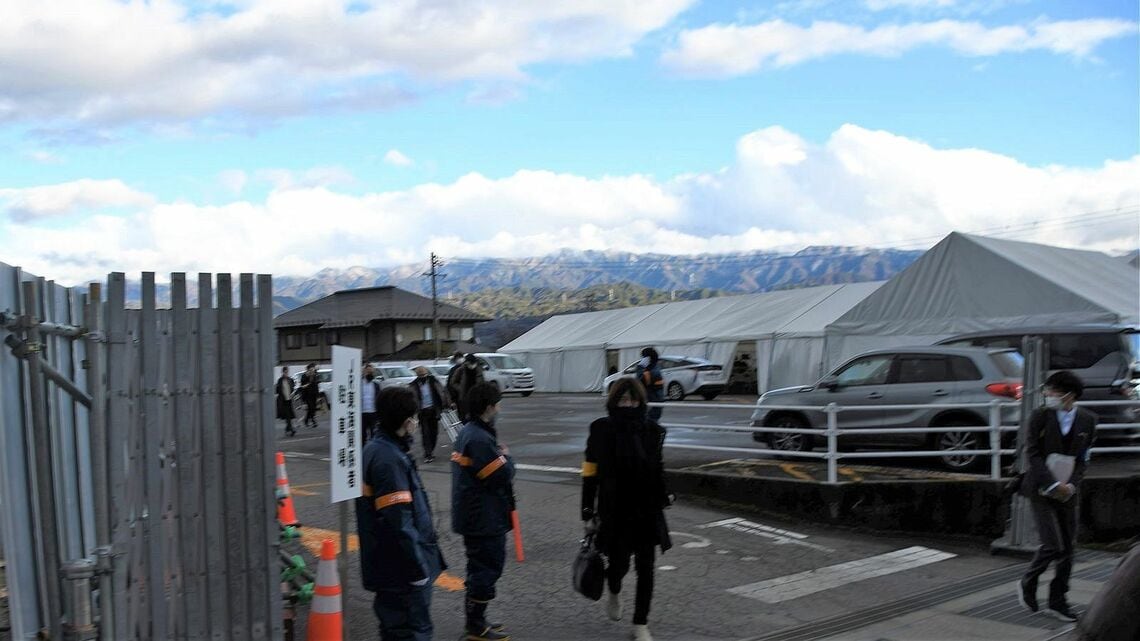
<point x="398" y="543"/>
<point x="1044" y="438"/>
<point x="630" y="501"/>
<point x="481" y="475"/>
<point x="439" y="396"/>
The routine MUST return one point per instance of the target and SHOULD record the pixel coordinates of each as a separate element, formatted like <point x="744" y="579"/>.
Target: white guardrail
<point x="832" y="432"/>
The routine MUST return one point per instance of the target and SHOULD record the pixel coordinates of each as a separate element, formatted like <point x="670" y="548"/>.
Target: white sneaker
<point x="613" y="607"/>
<point x="641" y="633"/>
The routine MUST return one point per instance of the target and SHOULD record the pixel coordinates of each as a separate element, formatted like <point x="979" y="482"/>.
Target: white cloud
<point x="233" y="180"/>
<point x="44" y="157"/>
<point x="397" y="158"/>
<point x="46" y="201"/>
<point x="882" y="5"/>
<point x="859" y="187"/>
<point x="285" y="179"/>
<point x="733" y="49"/>
<point x="163" y="61"/>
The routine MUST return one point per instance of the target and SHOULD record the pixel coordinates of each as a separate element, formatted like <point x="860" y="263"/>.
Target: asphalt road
<point x="710" y="586"/>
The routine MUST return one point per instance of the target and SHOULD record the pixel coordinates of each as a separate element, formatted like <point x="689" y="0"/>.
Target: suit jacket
<point x="1045" y="438"/>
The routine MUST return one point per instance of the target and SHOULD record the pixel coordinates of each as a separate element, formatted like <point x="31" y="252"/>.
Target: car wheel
<point x="708" y="396"/>
<point x="675" y="392"/>
<point x="951" y="441"/>
<point x="526" y="394"/>
<point x="789" y="441"/>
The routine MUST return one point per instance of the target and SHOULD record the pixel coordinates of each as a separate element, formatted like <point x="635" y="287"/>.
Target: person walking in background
<point x="467" y="377"/>
<point x="1058" y="440"/>
<point x="649" y="375"/>
<point x="284" y="393"/>
<point x="400" y="557"/>
<point x="432" y="400"/>
<point x="624" y="496"/>
<point x="456" y="363"/>
<point x="369" y="393"/>
<point x="310" y="391"/>
<point x="482" y="497"/>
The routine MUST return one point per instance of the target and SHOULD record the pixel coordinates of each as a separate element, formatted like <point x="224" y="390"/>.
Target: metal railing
<point x="832" y="432"/>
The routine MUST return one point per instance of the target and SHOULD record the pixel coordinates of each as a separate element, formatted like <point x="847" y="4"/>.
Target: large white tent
<point x="568" y="352"/>
<point x="970" y="283"/>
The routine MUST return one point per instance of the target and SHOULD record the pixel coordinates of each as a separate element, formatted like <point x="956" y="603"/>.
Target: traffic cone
<point x="325" y="622"/>
<point x="285" y="513"/>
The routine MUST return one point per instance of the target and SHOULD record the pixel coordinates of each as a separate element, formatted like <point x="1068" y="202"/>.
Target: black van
<point x="1105" y="357"/>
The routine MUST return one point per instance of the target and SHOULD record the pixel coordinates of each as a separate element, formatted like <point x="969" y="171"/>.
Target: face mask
<point x="629" y="413"/>
<point x="1053" y="402"/>
<point x="369" y="377"/>
<point x="644" y="362"/>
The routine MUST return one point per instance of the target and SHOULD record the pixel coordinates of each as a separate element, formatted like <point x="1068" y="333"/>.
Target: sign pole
<point x="345" y="476"/>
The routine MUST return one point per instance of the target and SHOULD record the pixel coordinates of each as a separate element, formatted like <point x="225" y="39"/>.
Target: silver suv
<point x="901" y="376"/>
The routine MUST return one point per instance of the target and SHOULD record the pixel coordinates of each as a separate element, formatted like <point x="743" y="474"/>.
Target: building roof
<point x="359" y="307"/>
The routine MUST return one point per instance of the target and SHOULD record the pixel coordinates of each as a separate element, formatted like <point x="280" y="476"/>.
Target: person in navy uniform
<point x="400" y="557"/>
<point x="482" y="499"/>
<point x="1058" y="428"/>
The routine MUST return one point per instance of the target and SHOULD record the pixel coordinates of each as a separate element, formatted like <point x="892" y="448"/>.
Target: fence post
<point x="995" y="440"/>
<point x="832" y="443"/>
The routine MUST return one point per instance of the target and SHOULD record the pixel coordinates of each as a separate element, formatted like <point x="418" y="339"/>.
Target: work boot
<point x="478" y="629"/>
<point x="1059" y="609"/>
<point x="613" y="607"/>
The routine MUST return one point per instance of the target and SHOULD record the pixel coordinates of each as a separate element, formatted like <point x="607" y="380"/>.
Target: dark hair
<point x="482" y="396"/>
<point x="470" y="358"/>
<point x="621" y="387"/>
<point x="457" y="355"/>
<point x="395" y="405"/>
<point x="651" y="353"/>
<point x="311" y="365"/>
<point x="1066" y="382"/>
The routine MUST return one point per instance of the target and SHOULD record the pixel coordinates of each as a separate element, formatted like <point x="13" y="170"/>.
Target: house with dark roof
<point x="380" y="321"/>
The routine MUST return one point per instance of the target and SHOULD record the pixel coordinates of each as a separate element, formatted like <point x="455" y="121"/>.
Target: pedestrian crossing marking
<point x="794" y="586"/>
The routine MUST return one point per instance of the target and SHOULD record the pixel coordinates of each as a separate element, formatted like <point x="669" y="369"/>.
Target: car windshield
<point x="439" y="369"/>
<point x="504" y="362"/>
<point x="1009" y="363"/>
<point x="397" y="372"/>
<point x="324" y="375"/>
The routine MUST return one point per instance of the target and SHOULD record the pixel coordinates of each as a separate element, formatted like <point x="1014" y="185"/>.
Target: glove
<point x="587" y="513"/>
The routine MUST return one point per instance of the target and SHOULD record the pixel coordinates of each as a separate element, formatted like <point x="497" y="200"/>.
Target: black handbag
<point x="589" y="570"/>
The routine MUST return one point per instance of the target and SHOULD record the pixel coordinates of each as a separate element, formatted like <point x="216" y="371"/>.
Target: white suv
<point x="683" y="375"/>
<point x="504" y="371"/>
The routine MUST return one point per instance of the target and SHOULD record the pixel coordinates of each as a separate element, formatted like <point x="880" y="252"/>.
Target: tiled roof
<point x="358" y="307"/>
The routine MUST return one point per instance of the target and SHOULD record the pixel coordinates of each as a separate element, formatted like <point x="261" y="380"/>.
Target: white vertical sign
<point x="345" y="477"/>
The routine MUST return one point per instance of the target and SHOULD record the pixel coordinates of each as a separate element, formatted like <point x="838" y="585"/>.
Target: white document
<point x="1061" y="466"/>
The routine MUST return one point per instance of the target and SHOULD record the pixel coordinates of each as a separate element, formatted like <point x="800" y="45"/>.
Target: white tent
<point x="568" y="353"/>
<point x="970" y="283"/>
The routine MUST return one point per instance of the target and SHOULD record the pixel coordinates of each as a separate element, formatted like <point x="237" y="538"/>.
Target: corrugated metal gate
<point x="136" y="460"/>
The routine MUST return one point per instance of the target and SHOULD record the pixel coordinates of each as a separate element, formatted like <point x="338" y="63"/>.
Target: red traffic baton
<point x="518" y="536"/>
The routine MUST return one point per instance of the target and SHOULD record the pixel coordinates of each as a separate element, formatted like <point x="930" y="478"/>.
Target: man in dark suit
<point x="1058" y="428"/>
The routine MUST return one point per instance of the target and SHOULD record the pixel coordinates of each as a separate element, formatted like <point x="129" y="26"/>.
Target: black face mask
<point x="629" y="413"/>
<point x="369" y="377"/>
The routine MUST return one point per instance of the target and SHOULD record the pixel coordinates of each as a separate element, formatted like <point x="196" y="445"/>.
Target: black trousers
<point x="643" y="556"/>
<point x="367" y="425"/>
<point x="486" y="556"/>
<point x="1056" y="526"/>
<point x="404" y="615"/>
<point x="429" y="426"/>
<point x="310" y="409"/>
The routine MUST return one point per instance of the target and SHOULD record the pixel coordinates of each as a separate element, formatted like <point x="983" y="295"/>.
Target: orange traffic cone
<point x="325" y="622"/>
<point x="285" y="513"/>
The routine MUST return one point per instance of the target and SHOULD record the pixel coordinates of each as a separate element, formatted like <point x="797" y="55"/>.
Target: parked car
<point x="902" y="376"/>
<point x="683" y="375"/>
<point x="392" y="374"/>
<point x="508" y="373"/>
<point x="1104" y="357"/>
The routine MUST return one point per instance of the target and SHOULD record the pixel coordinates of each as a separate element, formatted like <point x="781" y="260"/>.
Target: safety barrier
<point x="832" y="432"/>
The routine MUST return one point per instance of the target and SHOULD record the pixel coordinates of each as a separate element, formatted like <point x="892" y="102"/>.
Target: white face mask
<point x="1053" y="402"/>
<point x="645" y="362"/>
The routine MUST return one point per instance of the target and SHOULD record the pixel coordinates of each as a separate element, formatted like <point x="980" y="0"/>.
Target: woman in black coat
<point x="624" y="474"/>
<point x="285" y="411"/>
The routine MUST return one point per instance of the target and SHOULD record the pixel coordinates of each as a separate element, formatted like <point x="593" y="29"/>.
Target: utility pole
<point x="434" y="274"/>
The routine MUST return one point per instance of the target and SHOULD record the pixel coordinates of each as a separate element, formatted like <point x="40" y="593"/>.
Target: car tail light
<point x="709" y="368"/>
<point x="1008" y="390"/>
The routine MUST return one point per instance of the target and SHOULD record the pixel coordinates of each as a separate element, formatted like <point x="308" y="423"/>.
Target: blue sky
<point x="488" y="129"/>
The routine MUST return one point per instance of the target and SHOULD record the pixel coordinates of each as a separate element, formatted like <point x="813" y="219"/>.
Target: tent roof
<point x="967" y="283"/>
<point x="728" y="318"/>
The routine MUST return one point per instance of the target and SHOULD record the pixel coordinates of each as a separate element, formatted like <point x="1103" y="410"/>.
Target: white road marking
<point x="781" y="537"/>
<point x="794" y="586"/>
<point x="547" y="468"/>
<point x="544" y="433"/>
<point x="307" y="455"/>
<point x="291" y="440"/>
<point x="698" y="542"/>
<point x="666" y="568"/>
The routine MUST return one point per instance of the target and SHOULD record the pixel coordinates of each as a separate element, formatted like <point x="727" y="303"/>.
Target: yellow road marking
<point x="851" y="474"/>
<point x="302" y="490"/>
<point x="311" y="538"/>
<point x="792" y="469"/>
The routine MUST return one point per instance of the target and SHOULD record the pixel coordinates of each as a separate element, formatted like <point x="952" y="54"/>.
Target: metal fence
<point x="832" y="433"/>
<point x="136" y="471"/>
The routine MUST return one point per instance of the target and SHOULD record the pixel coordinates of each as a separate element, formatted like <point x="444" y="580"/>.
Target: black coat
<point x="630" y="501"/>
<point x="439" y="397"/>
<point x="1044" y="438"/>
<point x="285" y="398"/>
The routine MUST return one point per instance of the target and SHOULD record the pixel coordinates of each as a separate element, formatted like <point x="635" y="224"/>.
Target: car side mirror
<point x="829" y="383"/>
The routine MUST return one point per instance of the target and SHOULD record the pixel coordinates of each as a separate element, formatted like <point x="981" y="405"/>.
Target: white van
<point x="506" y="372"/>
